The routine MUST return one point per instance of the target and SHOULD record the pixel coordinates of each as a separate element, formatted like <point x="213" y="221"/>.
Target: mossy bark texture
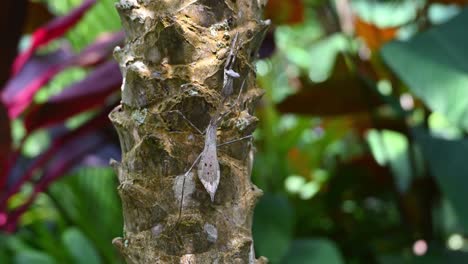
<point x="173" y="68"/>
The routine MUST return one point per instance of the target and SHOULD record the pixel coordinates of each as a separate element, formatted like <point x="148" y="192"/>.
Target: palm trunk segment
<point x="173" y="68"/>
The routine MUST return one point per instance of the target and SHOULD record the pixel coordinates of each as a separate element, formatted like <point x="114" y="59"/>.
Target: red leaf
<point x="285" y="12"/>
<point x="321" y="101"/>
<point x="66" y="157"/>
<point x="39" y="70"/>
<point x="51" y="31"/>
<point x="69" y="155"/>
<point x="84" y="95"/>
<point x="343" y="93"/>
<point x="373" y="36"/>
<point x="96" y="124"/>
<point x="100" y="50"/>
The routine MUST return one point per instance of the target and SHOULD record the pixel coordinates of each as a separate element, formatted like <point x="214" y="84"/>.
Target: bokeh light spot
<point x="420" y="247"/>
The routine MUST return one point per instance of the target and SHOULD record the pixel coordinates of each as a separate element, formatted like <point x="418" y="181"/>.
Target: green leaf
<point x="313" y="251"/>
<point x="103" y="17"/>
<point x="79" y="247"/>
<point x="31" y="256"/>
<point x="447" y="163"/>
<point x="294" y="183"/>
<point x="273" y="227"/>
<point x="13" y="243"/>
<point x="434" y="66"/>
<point x="36" y="143"/>
<point x="446" y="219"/>
<point x="45" y="237"/>
<point x="391" y="148"/>
<point x="89" y="199"/>
<point x="387" y="13"/>
<point x="440" y="13"/>
<point x="4" y="257"/>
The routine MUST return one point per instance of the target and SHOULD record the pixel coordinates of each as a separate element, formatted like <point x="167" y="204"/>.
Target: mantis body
<point x="208" y="167"/>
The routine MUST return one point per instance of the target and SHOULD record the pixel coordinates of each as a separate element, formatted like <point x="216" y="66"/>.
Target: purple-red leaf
<point x="100" y="50"/>
<point x="69" y="155"/>
<point x="15" y="173"/>
<point x="101" y="157"/>
<point x="96" y="124"/>
<point x="39" y="70"/>
<point x="91" y="92"/>
<point x="65" y="159"/>
<point x="51" y="31"/>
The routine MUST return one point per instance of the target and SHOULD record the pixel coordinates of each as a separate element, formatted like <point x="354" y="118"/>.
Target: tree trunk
<point x="173" y="68"/>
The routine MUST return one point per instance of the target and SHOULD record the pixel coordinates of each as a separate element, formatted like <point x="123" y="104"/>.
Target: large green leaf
<point x="434" y="65"/>
<point x="89" y="200"/>
<point x="36" y="257"/>
<point x="79" y="247"/>
<point x="313" y="251"/>
<point x="447" y="162"/>
<point x="273" y="227"/>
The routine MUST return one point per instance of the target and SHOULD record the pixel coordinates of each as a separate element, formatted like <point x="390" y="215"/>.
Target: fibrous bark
<point x="173" y="68"/>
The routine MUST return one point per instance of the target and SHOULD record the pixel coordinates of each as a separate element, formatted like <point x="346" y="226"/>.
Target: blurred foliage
<point x="102" y="17"/>
<point x="75" y="219"/>
<point x="73" y="222"/>
<point x="360" y="145"/>
<point x="367" y="167"/>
